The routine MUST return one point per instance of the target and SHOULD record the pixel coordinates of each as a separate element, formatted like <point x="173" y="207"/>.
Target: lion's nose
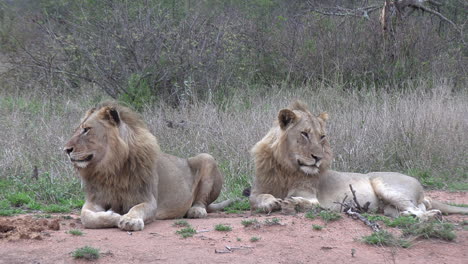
<point x="68" y="150"/>
<point x="317" y="159"/>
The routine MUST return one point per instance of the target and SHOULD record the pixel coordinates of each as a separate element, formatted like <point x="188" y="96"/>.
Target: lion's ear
<point x="323" y="116"/>
<point x="111" y="114"/>
<point x="286" y="117"/>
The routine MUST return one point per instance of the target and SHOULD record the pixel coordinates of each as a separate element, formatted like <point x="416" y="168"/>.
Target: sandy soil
<point x="27" y="239"/>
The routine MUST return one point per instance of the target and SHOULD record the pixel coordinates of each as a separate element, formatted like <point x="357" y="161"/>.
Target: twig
<point x="375" y="227"/>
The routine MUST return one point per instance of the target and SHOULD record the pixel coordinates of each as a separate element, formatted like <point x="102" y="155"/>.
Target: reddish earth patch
<point x="294" y="241"/>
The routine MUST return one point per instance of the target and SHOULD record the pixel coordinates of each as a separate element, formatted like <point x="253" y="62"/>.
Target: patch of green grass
<point x="238" y="206"/>
<point x="249" y="222"/>
<point x="272" y="221"/>
<point x="224" y="228"/>
<point x="180" y="223"/>
<point x="87" y="253"/>
<point x="311" y="215"/>
<point x="75" y="232"/>
<point x="317" y="227"/>
<point x="426" y="178"/>
<point x="67" y="217"/>
<point x="402" y="221"/>
<point x="56" y="208"/>
<point x="385" y="238"/>
<point x="255" y="239"/>
<point x="433" y="229"/>
<point x="10" y="212"/>
<point x="7" y="210"/>
<point x="329" y="216"/>
<point x="19" y="199"/>
<point x="375" y="217"/>
<point x="186" y="232"/>
<point x="46" y="193"/>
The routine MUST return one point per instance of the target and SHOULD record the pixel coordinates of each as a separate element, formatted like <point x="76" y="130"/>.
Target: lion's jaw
<point x="81" y="161"/>
<point x="309" y="167"/>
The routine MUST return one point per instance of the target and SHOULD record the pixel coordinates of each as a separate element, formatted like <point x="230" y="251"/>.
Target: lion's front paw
<point x="288" y="206"/>
<point x="128" y="223"/>
<point x="270" y="205"/>
<point x="197" y="212"/>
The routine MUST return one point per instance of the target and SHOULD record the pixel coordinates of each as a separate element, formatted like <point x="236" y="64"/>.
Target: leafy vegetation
<point x="317" y="227"/>
<point x="180" y="223"/>
<point x="87" y="253"/>
<point x="326" y="215"/>
<point x="254" y="239"/>
<point x="186" y="232"/>
<point x="384" y="238"/>
<point x="329" y="216"/>
<point x="249" y="222"/>
<point x="434" y="229"/>
<point x="238" y="206"/>
<point x="272" y="221"/>
<point x="75" y="232"/>
<point x="223" y="228"/>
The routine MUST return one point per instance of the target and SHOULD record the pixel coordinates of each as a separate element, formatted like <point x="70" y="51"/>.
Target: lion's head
<point x="106" y="139"/>
<point x="298" y="142"/>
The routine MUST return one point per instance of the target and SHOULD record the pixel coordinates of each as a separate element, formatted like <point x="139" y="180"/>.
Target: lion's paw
<point x="197" y="212"/>
<point x="288" y="206"/>
<point x="270" y="205"/>
<point x="131" y="224"/>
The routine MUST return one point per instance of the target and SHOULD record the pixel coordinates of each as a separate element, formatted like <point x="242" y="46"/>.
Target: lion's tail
<point x="445" y="208"/>
<point x="218" y="206"/>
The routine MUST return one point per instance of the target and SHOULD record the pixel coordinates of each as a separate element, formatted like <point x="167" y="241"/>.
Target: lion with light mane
<point x="292" y="173"/>
<point x="128" y="181"/>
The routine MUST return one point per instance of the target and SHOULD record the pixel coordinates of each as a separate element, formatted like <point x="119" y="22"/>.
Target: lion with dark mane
<point x="292" y="173"/>
<point x="128" y="181"/>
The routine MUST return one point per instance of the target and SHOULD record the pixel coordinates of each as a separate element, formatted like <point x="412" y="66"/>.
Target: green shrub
<point x="186" y="232"/>
<point x="87" y="253"/>
<point x="224" y="228"/>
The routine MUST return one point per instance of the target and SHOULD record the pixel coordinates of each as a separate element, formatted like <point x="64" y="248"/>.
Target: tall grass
<point x="421" y="130"/>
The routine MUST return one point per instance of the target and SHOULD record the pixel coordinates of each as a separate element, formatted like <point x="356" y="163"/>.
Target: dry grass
<point x="423" y="129"/>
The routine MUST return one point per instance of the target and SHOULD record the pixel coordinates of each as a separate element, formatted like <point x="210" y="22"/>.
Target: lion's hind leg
<point x="208" y="182"/>
<point x="402" y="199"/>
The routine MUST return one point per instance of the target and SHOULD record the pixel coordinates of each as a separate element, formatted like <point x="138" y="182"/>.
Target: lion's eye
<point x="305" y="135"/>
<point x="322" y="137"/>
<point x="86" y="130"/>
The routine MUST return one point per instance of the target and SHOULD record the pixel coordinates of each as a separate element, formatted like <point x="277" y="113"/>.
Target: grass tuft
<point x="87" y="253"/>
<point x="75" y="232"/>
<point x="385" y="238"/>
<point x="181" y="223"/>
<point x="272" y="221"/>
<point x="250" y="222"/>
<point x="223" y="228"/>
<point x="329" y="216"/>
<point x="186" y="232"/>
<point x="317" y="227"/>
<point x="255" y="239"/>
<point x="431" y="230"/>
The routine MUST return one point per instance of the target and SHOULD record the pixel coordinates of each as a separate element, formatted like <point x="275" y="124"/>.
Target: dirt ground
<point x="28" y="239"/>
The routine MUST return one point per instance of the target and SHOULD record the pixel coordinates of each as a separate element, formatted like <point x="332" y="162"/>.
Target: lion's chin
<point x="310" y="170"/>
<point x="80" y="164"/>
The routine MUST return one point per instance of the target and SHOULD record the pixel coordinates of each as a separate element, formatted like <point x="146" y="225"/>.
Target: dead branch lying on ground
<point x="353" y="208"/>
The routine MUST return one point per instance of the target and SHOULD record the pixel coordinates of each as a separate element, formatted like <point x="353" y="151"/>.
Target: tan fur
<point x="280" y="184"/>
<point x="128" y="181"/>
